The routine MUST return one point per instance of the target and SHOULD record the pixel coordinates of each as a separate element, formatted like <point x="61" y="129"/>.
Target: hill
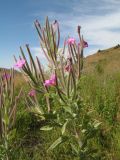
<point x="107" y="61"/>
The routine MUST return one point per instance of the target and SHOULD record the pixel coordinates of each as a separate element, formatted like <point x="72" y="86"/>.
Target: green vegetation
<point x="76" y="117"/>
<point x="100" y="93"/>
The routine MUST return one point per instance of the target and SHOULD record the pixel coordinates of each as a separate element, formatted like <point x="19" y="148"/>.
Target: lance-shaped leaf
<point x="75" y="149"/>
<point x="60" y="140"/>
<point x="46" y="128"/>
<point x="64" y="127"/>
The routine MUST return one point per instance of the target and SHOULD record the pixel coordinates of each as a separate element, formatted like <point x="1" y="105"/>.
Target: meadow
<point x="69" y="111"/>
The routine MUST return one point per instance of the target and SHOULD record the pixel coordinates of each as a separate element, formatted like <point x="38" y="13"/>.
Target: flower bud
<point x="79" y="27"/>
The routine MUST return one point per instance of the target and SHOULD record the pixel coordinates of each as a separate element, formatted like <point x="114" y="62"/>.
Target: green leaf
<point x="46" y="128"/>
<point x="83" y="130"/>
<point x="68" y="109"/>
<point x="58" y="142"/>
<point x="64" y="127"/>
<point x="74" y="148"/>
<point x="96" y="125"/>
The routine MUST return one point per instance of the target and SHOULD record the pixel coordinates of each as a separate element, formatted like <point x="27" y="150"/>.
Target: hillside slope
<point x="107" y="61"/>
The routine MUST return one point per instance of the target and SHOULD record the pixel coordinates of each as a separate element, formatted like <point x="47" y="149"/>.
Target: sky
<point x="99" y="19"/>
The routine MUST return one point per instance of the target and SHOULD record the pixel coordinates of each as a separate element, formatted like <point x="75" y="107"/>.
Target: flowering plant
<point x="8" y="108"/>
<point x="76" y="121"/>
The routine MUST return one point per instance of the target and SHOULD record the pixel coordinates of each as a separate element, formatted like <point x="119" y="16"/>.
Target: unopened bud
<point x="79" y="27"/>
<point x="37" y="23"/>
<point x="27" y="45"/>
<point x="55" y="26"/>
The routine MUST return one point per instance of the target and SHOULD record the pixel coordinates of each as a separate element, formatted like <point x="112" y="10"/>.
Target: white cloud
<point x="99" y="20"/>
<point x="100" y="30"/>
<point x="37" y="51"/>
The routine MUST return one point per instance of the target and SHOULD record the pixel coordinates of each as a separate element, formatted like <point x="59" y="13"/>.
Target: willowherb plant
<point x="8" y="104"/>
<point x="65" y="83"/>
<point x="60" y="87"/>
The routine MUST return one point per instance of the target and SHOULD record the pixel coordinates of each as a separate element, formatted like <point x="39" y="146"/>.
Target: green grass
<point x="101" y="93"/>
<point x="100" y="90"/>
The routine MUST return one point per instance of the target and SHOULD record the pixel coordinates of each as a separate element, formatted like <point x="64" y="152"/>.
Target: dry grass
<point x="109" y="59"/>
<point x="18" y="78"/>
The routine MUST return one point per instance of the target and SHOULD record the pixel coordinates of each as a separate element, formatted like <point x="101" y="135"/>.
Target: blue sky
<point x="100" y="21"/>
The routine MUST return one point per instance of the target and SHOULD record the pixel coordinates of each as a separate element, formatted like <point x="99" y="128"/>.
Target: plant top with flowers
<point x="60" y="86"/>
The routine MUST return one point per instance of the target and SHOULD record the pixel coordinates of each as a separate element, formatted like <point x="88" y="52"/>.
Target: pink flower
<point x="68" y="68"/>
<point x="20" y="63"/>
<point x="32" y="93"/>
<point x="85" y="44"/>
<point x="51" y="81"/>
<point x="6" y="76"/>
<point x="53" y="77"/>
<point x="71" y="41"/>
